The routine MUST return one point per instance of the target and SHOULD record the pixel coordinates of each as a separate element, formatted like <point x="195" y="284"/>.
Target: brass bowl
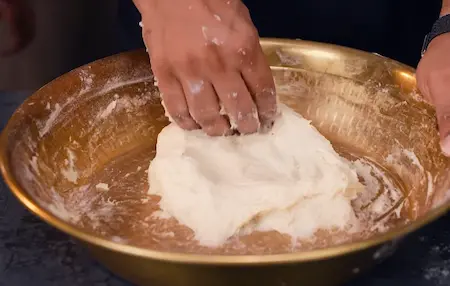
<point x="76" y="154"/>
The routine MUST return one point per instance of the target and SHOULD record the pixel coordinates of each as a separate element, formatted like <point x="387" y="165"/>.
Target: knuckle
<point x="246" y="39"/>
<point x="185" y="64"/>
<point x="244" y="44"/>
<point x="183" y="60"/>
<point x="211" y="61"/>
<point x="195" y="92"/>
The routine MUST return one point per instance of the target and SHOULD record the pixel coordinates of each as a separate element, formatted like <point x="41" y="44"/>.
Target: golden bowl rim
<point x="206" y="259"/>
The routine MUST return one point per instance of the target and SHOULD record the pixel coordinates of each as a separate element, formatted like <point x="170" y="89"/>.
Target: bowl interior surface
<point x="77" y="152"/>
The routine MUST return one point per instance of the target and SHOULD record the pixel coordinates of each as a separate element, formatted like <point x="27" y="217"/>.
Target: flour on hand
<point x="289" y="180"/>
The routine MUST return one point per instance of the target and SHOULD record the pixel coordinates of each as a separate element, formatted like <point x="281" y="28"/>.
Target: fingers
<point x="259" y="81"/>
<point x="204" y="107"/>
<point x="237" y="102"/>
<point x="197" y="103"/>
<point x="172" y="94"/>
<point x="248" y="98"/>
<point x="220" y="40"/>
<point x="174" y="101"/>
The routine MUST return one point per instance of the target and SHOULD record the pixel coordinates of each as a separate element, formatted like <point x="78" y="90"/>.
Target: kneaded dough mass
<point x="289" y="180"/>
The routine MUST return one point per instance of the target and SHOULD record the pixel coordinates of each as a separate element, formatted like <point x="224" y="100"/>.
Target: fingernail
<point x="445" y="146"/>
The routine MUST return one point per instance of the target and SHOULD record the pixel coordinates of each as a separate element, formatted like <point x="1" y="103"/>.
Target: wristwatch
<point x="441" y="26"/>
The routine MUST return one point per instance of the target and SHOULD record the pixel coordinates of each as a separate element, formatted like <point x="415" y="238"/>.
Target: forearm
<point x="445" y="7"/>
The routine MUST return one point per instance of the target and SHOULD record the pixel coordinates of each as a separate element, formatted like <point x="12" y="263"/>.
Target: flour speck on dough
<point x="290" y="180"/>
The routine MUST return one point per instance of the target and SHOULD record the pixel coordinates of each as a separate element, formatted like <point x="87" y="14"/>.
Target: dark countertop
<point x="34" y="253"/>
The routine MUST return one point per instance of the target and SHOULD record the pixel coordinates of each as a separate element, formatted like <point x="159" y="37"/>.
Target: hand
<point x="210" y="67"/>
<point x="433" y="79"/>
<point x="19" y="19"/>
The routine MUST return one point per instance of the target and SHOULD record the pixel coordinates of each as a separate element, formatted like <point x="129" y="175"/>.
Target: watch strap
<point x="441" y="26"/>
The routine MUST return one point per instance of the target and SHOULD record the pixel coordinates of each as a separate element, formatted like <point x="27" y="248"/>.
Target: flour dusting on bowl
<point x="84" y="158"/>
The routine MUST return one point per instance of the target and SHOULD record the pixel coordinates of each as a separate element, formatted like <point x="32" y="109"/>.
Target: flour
<point x="437" y="268"/>
<point x="124" y="102"/>
<point x="380" y="194"/>
<point x="397" y="154"/>
<point x="372" y="183"/>
<point x="72" y="207"/>
<point x="34" y="164"/>
<point x="102" y="187"/>
<point x="86" y="79"/>
<point x="51" y="119"/>
<point x="81" y="205"/>
<point x="55" y="115"/>
<point x="70" y="173"/>
<point x="287" y="59"/>
<point x="109" y="109"/>
<point x="290" y="180"/>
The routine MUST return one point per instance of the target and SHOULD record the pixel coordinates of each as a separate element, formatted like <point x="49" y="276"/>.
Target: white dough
<point x="290" y="180"/>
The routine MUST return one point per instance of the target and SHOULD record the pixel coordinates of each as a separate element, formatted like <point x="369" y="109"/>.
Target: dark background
<point x="392" y="28"/>
<point x="33" y="253"/>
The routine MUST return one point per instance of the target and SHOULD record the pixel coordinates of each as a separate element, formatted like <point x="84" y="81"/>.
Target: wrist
<point x="440" y="27"/>
<point x="445" y="10"/>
